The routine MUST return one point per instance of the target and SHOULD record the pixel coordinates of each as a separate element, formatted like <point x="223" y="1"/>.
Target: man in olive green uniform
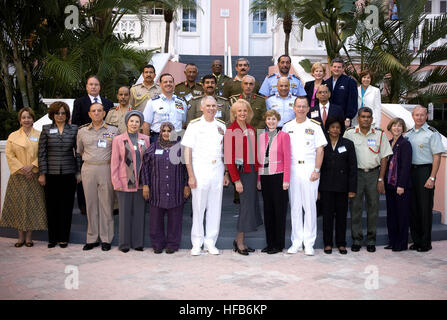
<point x="190" y="88"/>
<point x="427" y="148"/>
<point x="372" y="149"/>
<point x="256" y="101"/>
<point x="116" y="115"/>
<point x="141" y="93"/>
<point x="223" y="105"/>
<point x="232" y="87"/>
<point x="94" y="144"/>
<point x="216" y="69"/>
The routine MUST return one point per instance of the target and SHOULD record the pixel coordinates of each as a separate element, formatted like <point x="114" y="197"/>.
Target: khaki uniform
<point x="369" y="149"/>
<point x="223" y="109"/>
<point x="183" y="91"/>
<point x="116" y="117"/>
<point x="232" y="87"/>
<point x="221" y="79"/>
<point x="257" y="103"/>
<point x="140" y="95"/>
<point x="95" y="147"/>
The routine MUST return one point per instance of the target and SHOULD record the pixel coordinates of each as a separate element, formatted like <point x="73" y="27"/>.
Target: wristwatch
<point x="432" y="179"/>
<point x="380" y="179"/>
<point x="317" y="170"/>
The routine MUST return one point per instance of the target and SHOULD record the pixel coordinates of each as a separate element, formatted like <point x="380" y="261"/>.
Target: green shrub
<point x="8" y="123"/>
<point x="440" y="125"/>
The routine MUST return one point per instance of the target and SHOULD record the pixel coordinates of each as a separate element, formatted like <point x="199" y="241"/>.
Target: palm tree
<point x="170" y="7"/>
<point x="281" y="8"/>
<point x="392" y="53"/>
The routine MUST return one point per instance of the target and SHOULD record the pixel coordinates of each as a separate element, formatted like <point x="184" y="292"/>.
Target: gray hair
<point x="205" y="99"/>
<point x="249" y="77"/>
<point x="242" y="59"/>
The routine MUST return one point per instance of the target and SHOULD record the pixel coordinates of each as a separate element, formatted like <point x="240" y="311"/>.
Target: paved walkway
<point x="42" y="273"/>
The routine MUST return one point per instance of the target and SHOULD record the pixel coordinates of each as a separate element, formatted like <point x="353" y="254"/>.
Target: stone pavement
<point x="41" y="273"/>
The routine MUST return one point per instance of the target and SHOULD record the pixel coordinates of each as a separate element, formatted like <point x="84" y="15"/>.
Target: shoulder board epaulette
<point x="288" y="121"/>
<point x="155" y="98"/>
<point x="294" y="76"/>
<point x="274" y="94"/>
<point x="111" y="124"/>
<point x="235" y="95"/>
<point x="199" y="83"/>
<point x="271" y="75"/>
<point x="378" y="129"/>
<point x="195" y="120"/>
<point x="350" y="128"/>
<point x="223" y="98"/>
<point x="432" y="129"/>
<point x="315" y="121"/>
<point x="196" y="97"/>
<point x="179" y="84"/>
<point x="221" y="121"/>
<point x="85" y="125"/>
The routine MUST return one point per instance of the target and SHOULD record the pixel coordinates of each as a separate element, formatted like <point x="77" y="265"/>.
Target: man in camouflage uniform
<point x="141" y="93"/>
<point x="223" y="105"/>
<point x="190" y="88"/>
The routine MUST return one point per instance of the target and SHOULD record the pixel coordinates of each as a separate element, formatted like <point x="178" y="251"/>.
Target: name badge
<point x="188" y="97"/>
<point x="314" y="114"/>
<point x="135" y="148"/>
<point x="158" y="151"/>
<point x="35" y="139"/>
<point x="219" y="114"/>
<point x="102" y="143"/>
<point x="141" y="142"/>
<point x="341" y="149"/>
<point x="53" y="131"/>
<point x="371" y="142"/>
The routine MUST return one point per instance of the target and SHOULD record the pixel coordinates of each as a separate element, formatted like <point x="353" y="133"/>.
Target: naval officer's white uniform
<point x="206" y="141"/>
<point x="305" y="138"/>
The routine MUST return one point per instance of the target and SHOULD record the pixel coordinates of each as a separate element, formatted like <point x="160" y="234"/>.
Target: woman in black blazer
<point x="59" y="167"/>
<point x="397" y="186"/>
<point x="318" y="72"/>
<point x="338" y="182"/>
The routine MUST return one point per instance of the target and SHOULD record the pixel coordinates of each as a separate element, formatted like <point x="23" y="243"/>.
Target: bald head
<point x="216" y="67"/>
<point x="283" y="86"/>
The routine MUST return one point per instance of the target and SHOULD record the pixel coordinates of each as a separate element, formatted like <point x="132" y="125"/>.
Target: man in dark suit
<point x="343" y="90"/>
<point x="81" y="106"/>
<point x="325" y="109"/>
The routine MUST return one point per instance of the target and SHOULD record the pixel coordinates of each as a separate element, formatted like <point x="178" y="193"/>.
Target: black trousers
<point x="59" y="196"/>
<point x="334" y="205"/>
<point x="397" y="217"/>
<point x="275" y="210"/>
<point x="421" y="213"/>
<point x="80" y="196"/>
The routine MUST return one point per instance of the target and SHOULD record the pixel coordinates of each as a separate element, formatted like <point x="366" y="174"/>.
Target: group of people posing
<point x="316" y="147"/>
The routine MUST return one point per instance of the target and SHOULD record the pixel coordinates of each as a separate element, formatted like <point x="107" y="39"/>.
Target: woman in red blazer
<point x="273" y="180"/>
<point x="240" y="149"/>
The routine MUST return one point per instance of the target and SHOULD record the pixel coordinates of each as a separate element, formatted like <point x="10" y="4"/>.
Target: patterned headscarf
<point x="172" y="138"/>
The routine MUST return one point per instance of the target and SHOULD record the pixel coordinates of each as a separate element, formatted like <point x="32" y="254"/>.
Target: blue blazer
<point x="404" y="153"/>
<point x="344" y="94"/>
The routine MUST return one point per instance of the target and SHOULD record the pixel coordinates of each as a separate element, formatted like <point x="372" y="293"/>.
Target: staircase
<point x="228" y="227"/>
<point x="258" y="64"/>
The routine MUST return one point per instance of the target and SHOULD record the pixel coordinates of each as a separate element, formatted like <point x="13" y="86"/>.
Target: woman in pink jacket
<point x="273" y="180"/>
<point x="127" y="155"/>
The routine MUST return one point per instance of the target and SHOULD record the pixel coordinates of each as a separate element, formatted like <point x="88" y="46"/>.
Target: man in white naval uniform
<point x="203" y="141"/>
<point x="307" y="142"/>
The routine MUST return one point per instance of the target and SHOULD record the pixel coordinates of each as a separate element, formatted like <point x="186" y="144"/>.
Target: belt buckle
<point x="213" y="162"/>
<point x="366" y="170"/>
<point x="300" y="161"/>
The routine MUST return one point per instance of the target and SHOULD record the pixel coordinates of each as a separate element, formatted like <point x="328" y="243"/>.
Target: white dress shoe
<point x="294" y="249"/>
<point x="195" y="251"/>
<point x="212" y="250"/>
<point x="309" y="251"/>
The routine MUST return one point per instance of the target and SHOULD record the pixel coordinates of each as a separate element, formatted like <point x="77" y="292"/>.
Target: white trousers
<point x="206" y="196"/>
<point x="303" y="194"/>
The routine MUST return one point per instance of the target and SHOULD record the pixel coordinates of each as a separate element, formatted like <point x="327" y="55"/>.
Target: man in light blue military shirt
<point x="282" y="102"/>
<point x="427" y="149"/>
<point x="270" y="84"/>
<point x="165" y="107"/>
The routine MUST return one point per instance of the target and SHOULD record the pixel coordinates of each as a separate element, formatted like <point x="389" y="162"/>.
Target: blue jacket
<point x="344" y="94"/>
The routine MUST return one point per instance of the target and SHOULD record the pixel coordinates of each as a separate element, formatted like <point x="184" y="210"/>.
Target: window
<point x="152" y="9"/>
<point x="428" y="7"/>
<point x="443" y="6"/>
<point x="189" y="20"/>
<point x="260" y="21"/>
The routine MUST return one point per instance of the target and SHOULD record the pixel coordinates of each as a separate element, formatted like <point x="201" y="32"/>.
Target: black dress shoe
<point x="139" y="249"/>
<point x="371" y="248"/>
<point x="355" y="247"/>
<point x="158" y="251"/>
<point x="328" y="251"/>
<point x="106" y="246"/>
<point x="63" y="244"/>
<point x="90" y="246"/>
<point x="388" y="247"/>
<point x="243" y="252"/>
<point x="169" y="251"/>
<point x="274" y="250"/>
<point x="413" y="247"/>
<point x="51" y="245"/>
<point x="116" y="212"/>
<point x="266" y="250"/>
<point x="342" y="251"/>
<point x="236" y="201"/>
<point x="423" y="249"/>
<point x="250" y="249"/>
<point x="126" y="250"/>
<point x="396" y="249"/>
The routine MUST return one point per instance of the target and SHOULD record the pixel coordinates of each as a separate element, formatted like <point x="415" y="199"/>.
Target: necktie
<point x="324" y="115"/>
<point x="95" y="99"/>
